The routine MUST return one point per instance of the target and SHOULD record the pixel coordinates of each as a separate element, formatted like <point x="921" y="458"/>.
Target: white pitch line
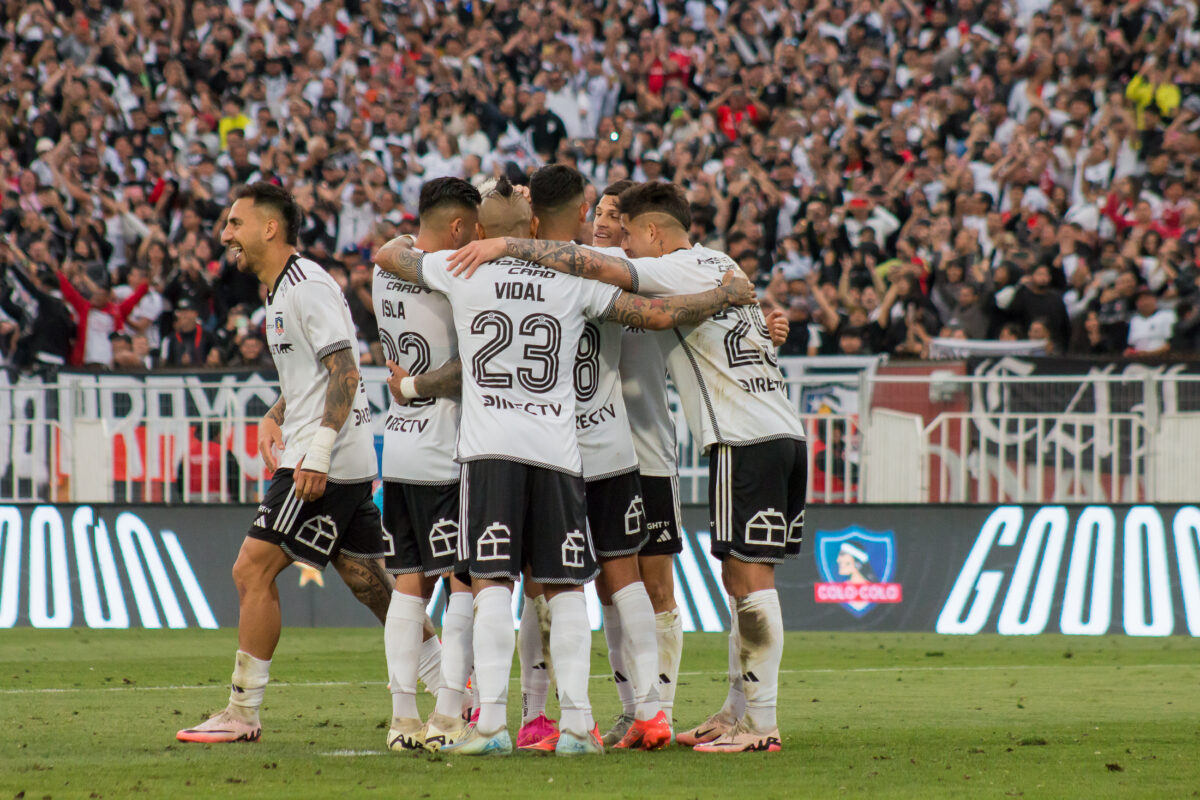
<point x="604" y="677"/>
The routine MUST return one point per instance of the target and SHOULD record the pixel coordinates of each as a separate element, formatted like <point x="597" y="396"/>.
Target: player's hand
<point x="778" y="325"/>
<point x="399" y="373"/>
<point x="740" y="289"/>
<point x="310" y="485"/>
<point x="467" y="259"/>
<point x="270" y="442"/>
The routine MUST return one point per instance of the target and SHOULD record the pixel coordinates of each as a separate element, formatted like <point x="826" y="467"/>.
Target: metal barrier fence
<point x="940" y="437"/>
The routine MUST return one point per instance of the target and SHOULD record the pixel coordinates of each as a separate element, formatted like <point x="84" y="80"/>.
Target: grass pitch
<point x="93" y="714"/>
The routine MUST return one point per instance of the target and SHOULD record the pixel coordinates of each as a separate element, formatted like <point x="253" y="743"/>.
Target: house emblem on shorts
<point x="768" y="528"/>
<point x="279" y="324"/>
<point x="494" y="543"/>
<point x="573" y="548"/>
<point x="443" y="538"/>
<point x="634" y="516"/>
<point x="795" y="533"/>
<point x="319" y="533"/>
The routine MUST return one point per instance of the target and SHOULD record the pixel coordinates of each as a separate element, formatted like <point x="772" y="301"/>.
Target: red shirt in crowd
<point x="83" y="307"/>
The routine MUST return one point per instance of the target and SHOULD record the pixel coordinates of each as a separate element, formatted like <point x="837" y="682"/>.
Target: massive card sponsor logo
<point x="1085" y="571"/>
<point x="59" y="567"/>
<point x="856" y="568"/>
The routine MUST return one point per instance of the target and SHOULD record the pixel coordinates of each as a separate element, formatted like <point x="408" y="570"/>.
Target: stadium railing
<point x="873" y="437"/>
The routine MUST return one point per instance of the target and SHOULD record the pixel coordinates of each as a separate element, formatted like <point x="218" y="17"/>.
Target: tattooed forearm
<point x="368" y="581"/>
<point x="343" y="383"/>
<point x="275" y="413"/>
<point x="402" y="262"/>
<point x="574" y="260"/>
<point x="663" y="313"/>
<point x="445" y="381"/>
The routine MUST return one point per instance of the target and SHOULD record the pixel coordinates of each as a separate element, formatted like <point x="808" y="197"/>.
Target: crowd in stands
<point x="888" y="171"/>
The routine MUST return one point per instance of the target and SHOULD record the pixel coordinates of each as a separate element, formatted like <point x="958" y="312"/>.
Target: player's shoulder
<point x="305" y="279"/>
<point x="707" y="257"/>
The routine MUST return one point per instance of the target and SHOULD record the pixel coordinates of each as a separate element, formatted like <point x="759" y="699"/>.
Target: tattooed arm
<point x="690" y="309"/>
<point x="398" y="258"/>
<point x="343" y="384"/>
<point x="445" y="381"/>
<point x="339" y="400"/>
<point x="561" y="256"/>
<point x="270" y="434"/>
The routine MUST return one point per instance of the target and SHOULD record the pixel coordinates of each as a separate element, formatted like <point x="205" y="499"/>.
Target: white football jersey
<point x="307" y="319"/>
<point x="519" y="327"/>
<point x="644" y="387"/>
<point x="725" y="368"/>
<point x="416" y="329"/>
<point x="601" y="421"/>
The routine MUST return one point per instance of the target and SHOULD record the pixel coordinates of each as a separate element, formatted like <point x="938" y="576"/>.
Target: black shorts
<point x="615" y="515"/>
<point x="514" y="514"/>
<point x="664" y="520"/>
<point x="420" y="525"/>
<point x="343" y="520"/>
<point x="756" y="499"/>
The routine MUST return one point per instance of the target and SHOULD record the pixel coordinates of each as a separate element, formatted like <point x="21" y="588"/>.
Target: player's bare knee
<point x="619" y="572"/>
<point x="553" y="590"/>
<point x="740" y="578"/>
<point x="662" y="596"/>
<point x="251" y="574"/>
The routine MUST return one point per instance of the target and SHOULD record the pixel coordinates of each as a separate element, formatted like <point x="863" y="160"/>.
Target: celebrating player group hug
<point x="529" y="442"/>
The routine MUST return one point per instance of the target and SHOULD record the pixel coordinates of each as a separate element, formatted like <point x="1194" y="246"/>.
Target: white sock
<point x="570" y="647"/>
<point x="430" y="667"/>
<point x="456" y="653"/>
<point x="402" y="632"/>
<point x="760" y="628"/>
<point x="250" y="676"/>
<point x="493" y="641"/>
<point x="641" y="649"/>
<point x="668" y="630"/>
<point x="614" y="635"/>
<point x="535" y="677"/>
<point x="735" y="700"/>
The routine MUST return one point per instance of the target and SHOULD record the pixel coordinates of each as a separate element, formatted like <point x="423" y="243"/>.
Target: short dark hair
<point x="555" y="186"/>
<point x="447" y="193"/>
<point x="614" y="189"/>
<point x="657" y="197"/>
<point x="279" y="200"/>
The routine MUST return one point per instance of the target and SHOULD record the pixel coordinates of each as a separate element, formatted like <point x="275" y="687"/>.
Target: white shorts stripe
<point x="463" y="485"/>
<point x="281" y="518"/>
<point x="293" y="512"/>
<point x="726" y="488"/>
<point x="676" y="507"/>
<point x="716" y="490"/>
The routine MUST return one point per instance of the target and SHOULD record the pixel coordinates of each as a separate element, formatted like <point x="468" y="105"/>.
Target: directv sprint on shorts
<point x="955" y="570"/>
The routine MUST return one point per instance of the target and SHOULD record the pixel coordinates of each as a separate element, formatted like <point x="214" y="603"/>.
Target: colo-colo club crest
<point x="856" y="567"/>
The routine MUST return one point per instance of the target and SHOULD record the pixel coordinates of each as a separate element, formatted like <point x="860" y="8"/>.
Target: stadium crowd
<point x="886" y="171"/>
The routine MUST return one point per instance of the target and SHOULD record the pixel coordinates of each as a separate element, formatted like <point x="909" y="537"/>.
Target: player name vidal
<point x="536" y="409"/>
<point x="520" y="291"/>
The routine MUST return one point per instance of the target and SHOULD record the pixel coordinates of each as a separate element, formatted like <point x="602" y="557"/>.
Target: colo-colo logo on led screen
<point x="97" y="574"/>
<point x="1126" y="566"/>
